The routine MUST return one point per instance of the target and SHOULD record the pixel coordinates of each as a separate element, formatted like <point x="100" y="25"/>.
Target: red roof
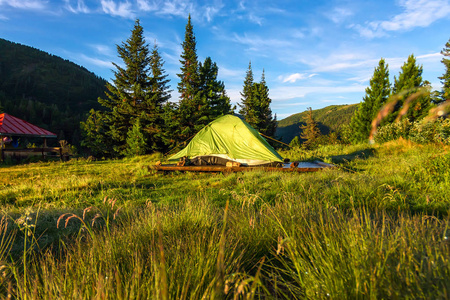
<point x="10" y="125"/>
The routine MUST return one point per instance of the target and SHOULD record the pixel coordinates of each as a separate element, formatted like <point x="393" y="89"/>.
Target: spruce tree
<point x="246" y="94"/>
<point x="255" y="106"/>
<point x="409" y="81"/>
<point x="133" y="94"/>
<point x="310" y="131"/>
<point x="376" y="96"/>
<point x="445" y="79"/>
<point x="153" y="121"/>
<point x="191" y="107"/>
<point x="212" y="91"/>
<point x="268" y="124"/>
<point x="136" y="141"/>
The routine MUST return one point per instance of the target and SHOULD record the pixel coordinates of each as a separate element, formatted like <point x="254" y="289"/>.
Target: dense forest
<point x="47" y="90"/>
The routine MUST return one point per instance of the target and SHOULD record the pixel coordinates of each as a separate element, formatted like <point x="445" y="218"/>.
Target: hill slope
<point x="46" y="90"/>
<point x="330" y="119"/>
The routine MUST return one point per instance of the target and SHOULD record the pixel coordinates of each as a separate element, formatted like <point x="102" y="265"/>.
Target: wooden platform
<point x="302" y="167"/>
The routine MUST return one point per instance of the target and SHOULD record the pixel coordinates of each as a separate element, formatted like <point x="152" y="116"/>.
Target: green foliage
<point x="189" y="78"/>
<point x="136" y="141"/>
<point x="408" y="82"/>
<point x="202" y="97"/>
<point x="139" y="91"/>
<point x="295" y="142"/>
<point x="422" y="132"/>
<point x="445" y="79"/>
<point x="376" y="96"/>
<point x="310" y="131"/>
<point x="255" y="106"/>
<point x="213" y="91"/>
<point x="246" y="94"/>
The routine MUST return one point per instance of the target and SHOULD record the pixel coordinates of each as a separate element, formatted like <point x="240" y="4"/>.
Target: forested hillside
<point x="329" y="119"/>
<point x="47" y="90"/>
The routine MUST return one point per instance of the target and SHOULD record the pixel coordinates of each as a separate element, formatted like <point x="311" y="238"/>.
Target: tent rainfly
<point x="228" y="138"/>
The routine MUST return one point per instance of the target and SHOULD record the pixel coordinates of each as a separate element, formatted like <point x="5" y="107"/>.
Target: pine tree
<point x="268" y="124"/>
<point x="153" y="122"/>
<point x="213" y="91"/>
<point x="136" y="142"/>
<point x="409" y="81"/>
<point x="246" y="94"/>
<point x="445" y="79"/>
<point x="95" y="134"/>
<point x="376" y="96"/>
<point x="192" y="106"/>
<point x="310" y="131"/>
<point x="255" y="106"/>
<point x="130" y="97"/>
<point x="295" y="142"/>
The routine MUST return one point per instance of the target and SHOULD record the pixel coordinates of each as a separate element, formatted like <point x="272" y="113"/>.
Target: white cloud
<point x="146" y="5"/>
<point x="176" y="8"/>
<point x="256" y="43"/>
<point x="103" y="49"/>
<point x="416" y="13"/>
<point x="296" y="76"/>
<point x="26" y="4"/>
<point x="96" y="61"/>
<point x="255" y="19"/>
<point x="339" y="14"/>
<point x="182" y="8"/>
<point x="80" y="6"/>
<point x="120" y="9"/>
<point x="3" y="18"/>
<point x="430" y="57"/>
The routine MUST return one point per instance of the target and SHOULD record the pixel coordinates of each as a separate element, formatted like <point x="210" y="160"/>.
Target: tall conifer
<point x="408" y="82"/>
<point x="255" y="105"/>
<point x="310" y="131"/>
<point x="213" y="91"/>
<point x="376" y="96"/>
<point x="246" y="94"/>
<point x="445" y="79"/>
<point x="129" y="97"/>
<point x="191" y="107"/>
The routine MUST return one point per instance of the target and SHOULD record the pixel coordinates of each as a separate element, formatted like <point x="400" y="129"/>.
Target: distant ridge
<point x="46" y="90"/>
<point x="330" y="119"/>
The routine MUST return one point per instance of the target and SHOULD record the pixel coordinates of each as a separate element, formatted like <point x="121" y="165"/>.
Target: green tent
<point x="228" y="139"/>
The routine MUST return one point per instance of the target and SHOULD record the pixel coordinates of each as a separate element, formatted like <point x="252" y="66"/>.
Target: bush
<point x="421" y="132"/>
<point x="393" y="131"/>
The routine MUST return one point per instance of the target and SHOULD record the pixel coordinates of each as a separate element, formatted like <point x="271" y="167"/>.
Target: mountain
<point x="329" y="119"/>
<point x="47" y="90"/>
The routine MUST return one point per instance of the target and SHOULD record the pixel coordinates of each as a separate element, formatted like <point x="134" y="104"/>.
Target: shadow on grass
<point x="344" y="160"/>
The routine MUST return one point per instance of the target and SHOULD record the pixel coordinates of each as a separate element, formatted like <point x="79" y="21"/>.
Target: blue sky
<point x="314" y="53"/>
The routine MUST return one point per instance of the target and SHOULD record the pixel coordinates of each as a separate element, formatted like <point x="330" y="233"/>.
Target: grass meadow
<point x="375" y="227"/>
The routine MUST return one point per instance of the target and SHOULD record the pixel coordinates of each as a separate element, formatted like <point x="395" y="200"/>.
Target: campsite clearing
<point x="377" y="227"/>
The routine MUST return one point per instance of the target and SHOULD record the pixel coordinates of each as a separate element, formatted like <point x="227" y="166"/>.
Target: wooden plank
<point x="224" y="169"/>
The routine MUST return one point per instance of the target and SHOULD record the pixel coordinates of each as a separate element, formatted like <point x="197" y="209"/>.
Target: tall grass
<point x="290" y="250"/>
<point x="376" y="227"/>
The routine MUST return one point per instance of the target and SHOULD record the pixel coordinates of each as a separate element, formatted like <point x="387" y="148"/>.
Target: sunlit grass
<point x="377" y="226"/>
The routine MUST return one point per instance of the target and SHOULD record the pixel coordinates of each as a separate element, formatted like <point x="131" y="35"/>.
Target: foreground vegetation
<point x="375" y="227"/>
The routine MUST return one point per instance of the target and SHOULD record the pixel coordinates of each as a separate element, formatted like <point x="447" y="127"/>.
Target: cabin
<point x="13" y="129"/>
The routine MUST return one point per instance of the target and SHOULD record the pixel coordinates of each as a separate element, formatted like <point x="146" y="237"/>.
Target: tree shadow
<point x="347" y="158"/>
